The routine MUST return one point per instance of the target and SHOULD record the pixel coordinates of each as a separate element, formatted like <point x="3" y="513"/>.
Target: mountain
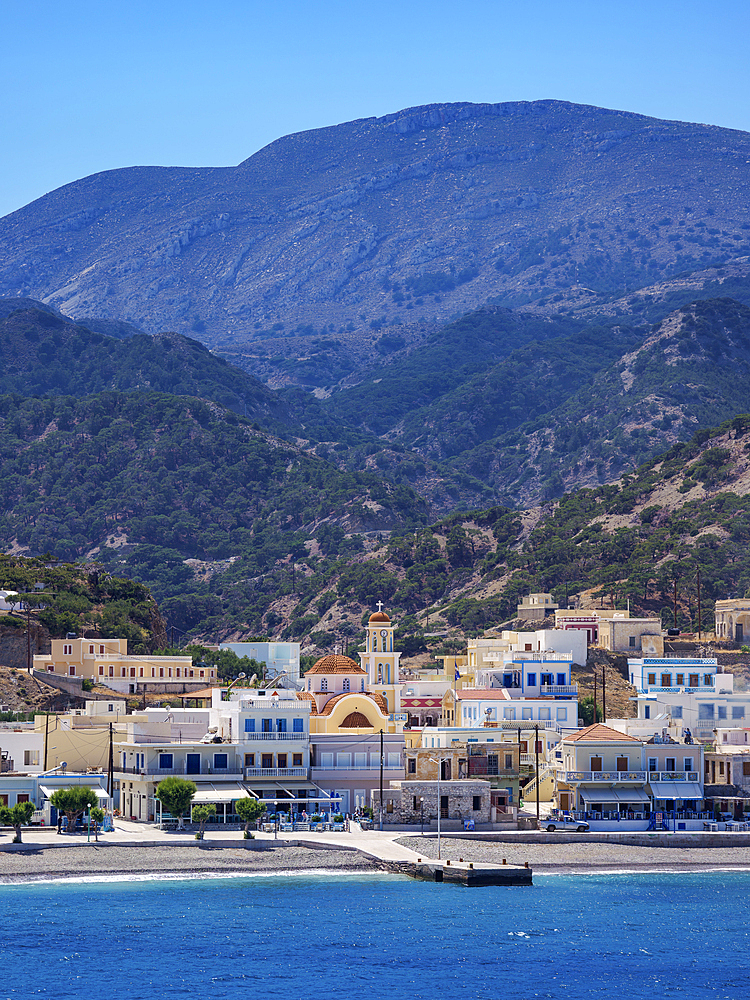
<point x="44" y="353"/>
<point x="378" y="231"/>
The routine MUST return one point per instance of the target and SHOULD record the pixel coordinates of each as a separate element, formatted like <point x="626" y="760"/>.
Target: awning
<point x="101" y="794"/>
<point x="631" y="795"/>
<point x="221" y="793"/>
<point x="598" y="794"/>
<point x="676" y="790"/>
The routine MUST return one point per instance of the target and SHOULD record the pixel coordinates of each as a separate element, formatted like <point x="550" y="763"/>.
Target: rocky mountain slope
<point x="388" y="226"/>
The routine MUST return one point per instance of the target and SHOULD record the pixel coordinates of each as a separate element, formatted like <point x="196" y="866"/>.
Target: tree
<point x="249" y="811"/>
<point x="175" y="795"/>
<point x="586" y="710"/>
<point x="97" y="816"/>
<point x="74" y="802"/>
<point x="20" y="815"/>
<point x="202" y="814"/>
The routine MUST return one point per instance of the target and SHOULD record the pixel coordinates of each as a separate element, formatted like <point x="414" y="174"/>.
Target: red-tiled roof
<point x="377" y="698"/>
<point x="483" y="694"/>
<point x="335" y="664"/>
<point x="599" y="733"/>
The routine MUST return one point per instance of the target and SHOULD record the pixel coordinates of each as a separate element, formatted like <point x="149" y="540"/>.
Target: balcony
<point x="673" y="776"/>
<point x="573" y="777"/>
<point x="356" y="767"/>
<point x="275" y="772"/>
<point x="178" y="769"/>
<point x="565" y="689"/>
<point x="299" y="737"/>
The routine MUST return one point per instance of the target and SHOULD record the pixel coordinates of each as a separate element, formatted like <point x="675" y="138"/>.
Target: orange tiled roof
<point x="377" y="698"/>
<point x="380" y="616"/>
<point x="306" y="696"/>
<point x="335" y="664"/>
<point x="355" y="720"/>
<point x="482" y="694"/>
<point x="599" y="733"/>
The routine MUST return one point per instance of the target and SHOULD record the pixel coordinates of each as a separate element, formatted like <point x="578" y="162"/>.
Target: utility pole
<point x="46" y="738"/>
<point x="111" y="770"/>
<point x="674" y="604"/>
<point x="28" y="638"/>
<point x="595" y="676"/>
<point x="604" y="696"/>
<point x="381" y="779"/>
<point x="536" y="757"/>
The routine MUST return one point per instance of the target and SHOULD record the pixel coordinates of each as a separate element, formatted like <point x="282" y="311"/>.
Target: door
<point x="193" y="763"/>
<point x="444" y="807"/>
<point x="738" y="632"/>
<point x="445" y="770"/>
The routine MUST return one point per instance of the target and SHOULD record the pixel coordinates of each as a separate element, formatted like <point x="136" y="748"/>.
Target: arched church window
<point x="346" y="684"/>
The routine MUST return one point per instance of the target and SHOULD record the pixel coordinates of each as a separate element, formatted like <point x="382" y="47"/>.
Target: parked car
<point x="566" y="823"/>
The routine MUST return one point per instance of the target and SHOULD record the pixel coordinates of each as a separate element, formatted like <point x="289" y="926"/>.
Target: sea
<point x="377" y="935"/>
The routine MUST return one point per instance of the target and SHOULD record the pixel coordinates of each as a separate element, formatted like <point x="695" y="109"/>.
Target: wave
<point x="106" y="877"/>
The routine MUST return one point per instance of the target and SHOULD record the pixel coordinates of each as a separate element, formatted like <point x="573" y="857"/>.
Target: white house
<point x="279" y="657"/>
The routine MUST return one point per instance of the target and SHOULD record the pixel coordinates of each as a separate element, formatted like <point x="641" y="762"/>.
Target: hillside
<point x="390" y="226"/>
<point x="43" y="353"/>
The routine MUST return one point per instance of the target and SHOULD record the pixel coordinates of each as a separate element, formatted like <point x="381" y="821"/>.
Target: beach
<point x="584" y="856"/>
<point x="83" y="859"/>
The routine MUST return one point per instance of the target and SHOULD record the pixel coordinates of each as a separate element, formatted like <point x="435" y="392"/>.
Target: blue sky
<point x="89" y="85"/>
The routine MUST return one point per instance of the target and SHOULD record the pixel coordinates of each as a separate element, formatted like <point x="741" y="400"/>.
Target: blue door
<point x="193" y="763"/>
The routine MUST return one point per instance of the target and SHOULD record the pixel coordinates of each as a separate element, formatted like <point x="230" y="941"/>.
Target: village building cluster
<point x="463" y="746"/>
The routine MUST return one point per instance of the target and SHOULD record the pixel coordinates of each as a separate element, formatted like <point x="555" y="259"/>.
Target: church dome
<point x="355" y="720"/>
<point x="333" y="663"/>
<point x="379" y="616"/>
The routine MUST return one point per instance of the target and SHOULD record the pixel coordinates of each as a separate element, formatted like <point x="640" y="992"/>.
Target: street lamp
<point x="438" y="801"/>
<point x="239" y="677"/>
<point x="421" y="812"/>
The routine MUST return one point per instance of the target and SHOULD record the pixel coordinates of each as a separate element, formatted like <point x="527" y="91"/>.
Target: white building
<point x="694" y="693"/>
<point x="23" y="747"/>
<point x="486" y="652"/>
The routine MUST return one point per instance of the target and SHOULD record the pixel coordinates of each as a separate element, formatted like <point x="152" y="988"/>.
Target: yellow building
<point x="106" y="661"/>
<point x="340" y="702"/>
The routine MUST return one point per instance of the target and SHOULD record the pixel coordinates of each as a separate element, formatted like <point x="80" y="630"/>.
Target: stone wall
<point x="403" y="801"/>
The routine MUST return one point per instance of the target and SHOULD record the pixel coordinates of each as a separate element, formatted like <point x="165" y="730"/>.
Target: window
<point x="476" y="803"/>
<point x="267" y="725"/>
<point x="141" y="671"/>
<point x="706" y="711"/>
<point x="324" y="684"/>
<point x="509" y="713"/>
<point x="738" y="711"/>
<point x="676" y="711"/>
<point x="101" y="670"/>
<point x="544" y="714"/>
<point x="178" y="671"/>
<point x="722" y="711"/>
<point x="412" y="766"/>
<point x="67" y="650"/>
<point x="631" y="641"/>
<point x="30" y="758"/>
<point x="547" y="678"/>
<point x="266" y="760"/>
<point x="509" y="762"/>
<point x="132" y="671"/>
<point x="622" y="763"/>
<point x="91" y="649"/>
<point x="666" y="680"/>
<point x="688" y="763"/>
<point x="526" y="713"/>
<point x="221" y="761"/>
<point x="362" y="684"/>
<point x="531" y="680"/>
<point x="346" y="684"/>
<point x="161" y="671"/>
<point x="22" y="797"/>
<point x="326" y="760"/>
<point x="746" y="768"/>
<point x="249" y="760"/>
<point x="343" y="760"/>
<point x="562" y="714"/>
<point x="721" y="767"/>
<point x="596" y="764"/>
<point x="360" y="759"/>
<point x="297" y="760"/>
<point x="249" y="725"/>
<point x="72" y="670"/>
<point x="680" y="680"/>
<point x="653" y="764"/>
<point x="101" y="650"/>
<point x="281" y="725"/>
<point x="165" y="761"/>
<point x="708" y="679"/>
<point x="282" y="760"/>
<point x="562" y="679"/>
<point x="671" y="764"/>
<point x="694" y="680"/>
<point x="298" y="725"/>
<point x="394" y="760"/>
<point x="110" y="707"/>
<point x="652" y="678"/>
<point x="646" y="711"/>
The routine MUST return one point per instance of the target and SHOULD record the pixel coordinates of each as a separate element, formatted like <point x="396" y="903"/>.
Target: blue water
<point x="378" y="936"/>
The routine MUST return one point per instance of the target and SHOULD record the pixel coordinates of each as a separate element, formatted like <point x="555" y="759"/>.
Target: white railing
<point x="672" y="775"/>
<point x="573" y="776"/>
<point x="527" y="725"/>
<point x="275" y="772"/>
<point x="357" y="767"/>
<point x="558" y="688"/>
<point x="274" y="736"/>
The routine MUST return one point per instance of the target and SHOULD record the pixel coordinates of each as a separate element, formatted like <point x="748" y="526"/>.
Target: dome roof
<point x="355" y="720"/>
<point x="380" y="616"/>
<point x="333" y="663"/>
